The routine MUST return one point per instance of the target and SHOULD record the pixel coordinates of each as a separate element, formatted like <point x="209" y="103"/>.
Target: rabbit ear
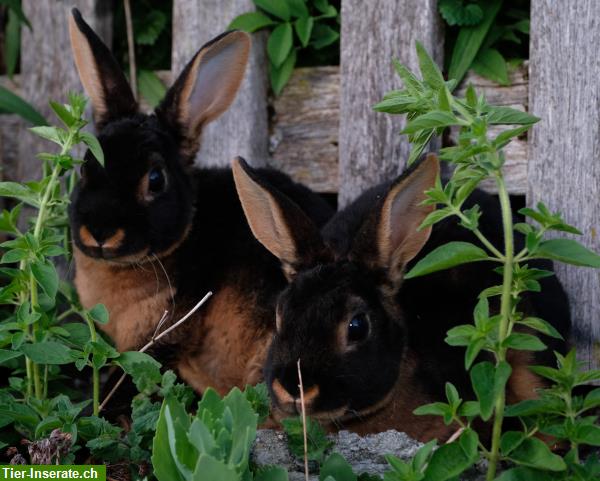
<point x="394" y="232"/>
<point x="100" y="74"/>
<point x="206" y="87"/>
<point x="277" y="222"/>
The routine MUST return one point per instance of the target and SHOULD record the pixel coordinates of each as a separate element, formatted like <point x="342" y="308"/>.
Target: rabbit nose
<point x="291" y="403"/>
<point x="104" y="238"/>
<point x="310" y="395"/>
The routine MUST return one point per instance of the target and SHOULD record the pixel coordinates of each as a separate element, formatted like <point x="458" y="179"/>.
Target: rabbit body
<point x="152" y="233"/>
<point x="371" y="346"/>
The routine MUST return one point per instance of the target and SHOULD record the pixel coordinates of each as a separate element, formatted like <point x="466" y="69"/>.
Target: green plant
<point x="151" y="21"/>
<point x="431" y="108"/>
<point x="317" y="442"/>
<point x="45" y="334"/>
<point x="482" y="33"/>
<point x="11" y="103"/>
<point x="315" y="24"/>
<point x="213" y="444"/>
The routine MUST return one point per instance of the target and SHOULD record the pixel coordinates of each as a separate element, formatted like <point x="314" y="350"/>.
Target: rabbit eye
<point x="358" y="328"/>
<point x="156" y="180"/>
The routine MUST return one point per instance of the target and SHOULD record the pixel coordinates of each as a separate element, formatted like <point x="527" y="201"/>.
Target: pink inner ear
<point x="405" y="214"/>
<point x="217" y="80"/>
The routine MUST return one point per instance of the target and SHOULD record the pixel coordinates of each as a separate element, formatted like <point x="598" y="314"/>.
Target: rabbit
<point x="371" y="347"/>
<point x="152" y="232"/>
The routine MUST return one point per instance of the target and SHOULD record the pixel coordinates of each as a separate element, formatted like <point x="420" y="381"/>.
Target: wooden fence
<point x="323" y="131"/>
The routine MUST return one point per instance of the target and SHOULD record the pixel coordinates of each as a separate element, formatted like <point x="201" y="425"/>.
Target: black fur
<point x="195" y="225"/>
<point x="326" y="296"/>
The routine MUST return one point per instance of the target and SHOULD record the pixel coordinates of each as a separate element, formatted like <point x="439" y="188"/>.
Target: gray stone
<point x="365" y="454"/>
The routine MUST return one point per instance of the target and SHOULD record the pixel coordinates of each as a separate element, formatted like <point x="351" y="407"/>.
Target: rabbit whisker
<point x="168" y="281"/>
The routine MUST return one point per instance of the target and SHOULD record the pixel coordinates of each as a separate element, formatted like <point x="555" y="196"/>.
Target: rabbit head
<point x="140" y="202"/>
<point x="338" y="315"/>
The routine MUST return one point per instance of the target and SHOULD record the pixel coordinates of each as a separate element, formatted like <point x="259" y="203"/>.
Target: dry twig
<point x="155" y="338"/>
<point x="301" y="386"/>
<point x="130" y="49"/>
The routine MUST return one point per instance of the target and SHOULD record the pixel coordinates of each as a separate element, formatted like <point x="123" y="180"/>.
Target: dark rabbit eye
<point x="156" y="180"/>
<point x="358" y="328"/>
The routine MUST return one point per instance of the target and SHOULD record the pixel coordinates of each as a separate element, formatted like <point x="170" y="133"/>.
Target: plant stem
<point x="33" y="368"/>
<point x="481" y="237"/>
<point x="505" y="312"/>
<point x="95" y="370"/>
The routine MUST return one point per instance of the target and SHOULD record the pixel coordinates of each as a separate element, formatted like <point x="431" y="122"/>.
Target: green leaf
<point x="432" y="409"/>
<point x="62" y="113"/>
<point x="490" y="63"/>
<point x="429" y="70"/>
<point x="271" y="473"/>
<point x="447" y="256"/>
<point x="99" y="314"/>
<point x="251" y="22"/>
<point x="524" y="342"/>
<point x="338" y="468"/>
<point x="92" y="142"/>
<point x="588" y="434"/>
<point x="12" y="43"/>
<point x="303" y="27"/>
<point x="450" y="460"/>
<point x="258" y="397"/>
<point x="482" y="380"/>
<point x="48" y="352"/>
<point x="165" y="467"/>
<point x="592" y="399"/>
<point x="49" y="133"/>
<point x="430" y="120"/>
<point x="534" y="453"/>
<point x="323" y="36"/>
<point x="46" y="276"/>
<point x="504" y="137"/>
<point x="11" y="103"/>
<point x="298" y="8"/>
<point x="510" y="441"/>
<point x="143" y="368"/>
<point x="20" y="192"/>
<point x="15" y="7"/>
<point x="318" y="443"/>
<point x="210" y="468"/>
<point x="279" y="44"/>
<point x="523" y="473"/>
<point x="469" y="41"/>
<point x="456" y="13"/>
<point x="6" y="355"/>
<point x="436" y="216"/>
<point x="149" y="27"/>
<point x="150" y="87"/>
<point x="411" y="83"/>
<point x="568" y="251"/>
<point x="275" y="7"/>
<point x="499" y="115"/>
<point x="541" y="326"/>
<point x="280" y="76"/>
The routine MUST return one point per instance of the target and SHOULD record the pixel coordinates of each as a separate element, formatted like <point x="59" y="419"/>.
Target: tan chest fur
<point x="135" y="296"/>
<point x="231" y="352"/>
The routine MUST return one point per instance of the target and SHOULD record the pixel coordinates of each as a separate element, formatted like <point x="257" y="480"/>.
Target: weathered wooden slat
<point x="564" y="163"/>
<point x="514" y="95"/>
<point x="305" y="126"/>
<point x="243" y="129"/>
<point x="373" y="33"/>
<point x="47" y="68"/>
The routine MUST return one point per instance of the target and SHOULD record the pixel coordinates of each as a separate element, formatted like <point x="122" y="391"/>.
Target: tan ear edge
<point x="264" y="215"/>
<point x="86" y="67"/>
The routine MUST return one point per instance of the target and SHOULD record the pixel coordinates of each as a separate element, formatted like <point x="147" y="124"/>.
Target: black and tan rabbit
<point x="372" y="346"/>
<point x="152" y="233"/>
